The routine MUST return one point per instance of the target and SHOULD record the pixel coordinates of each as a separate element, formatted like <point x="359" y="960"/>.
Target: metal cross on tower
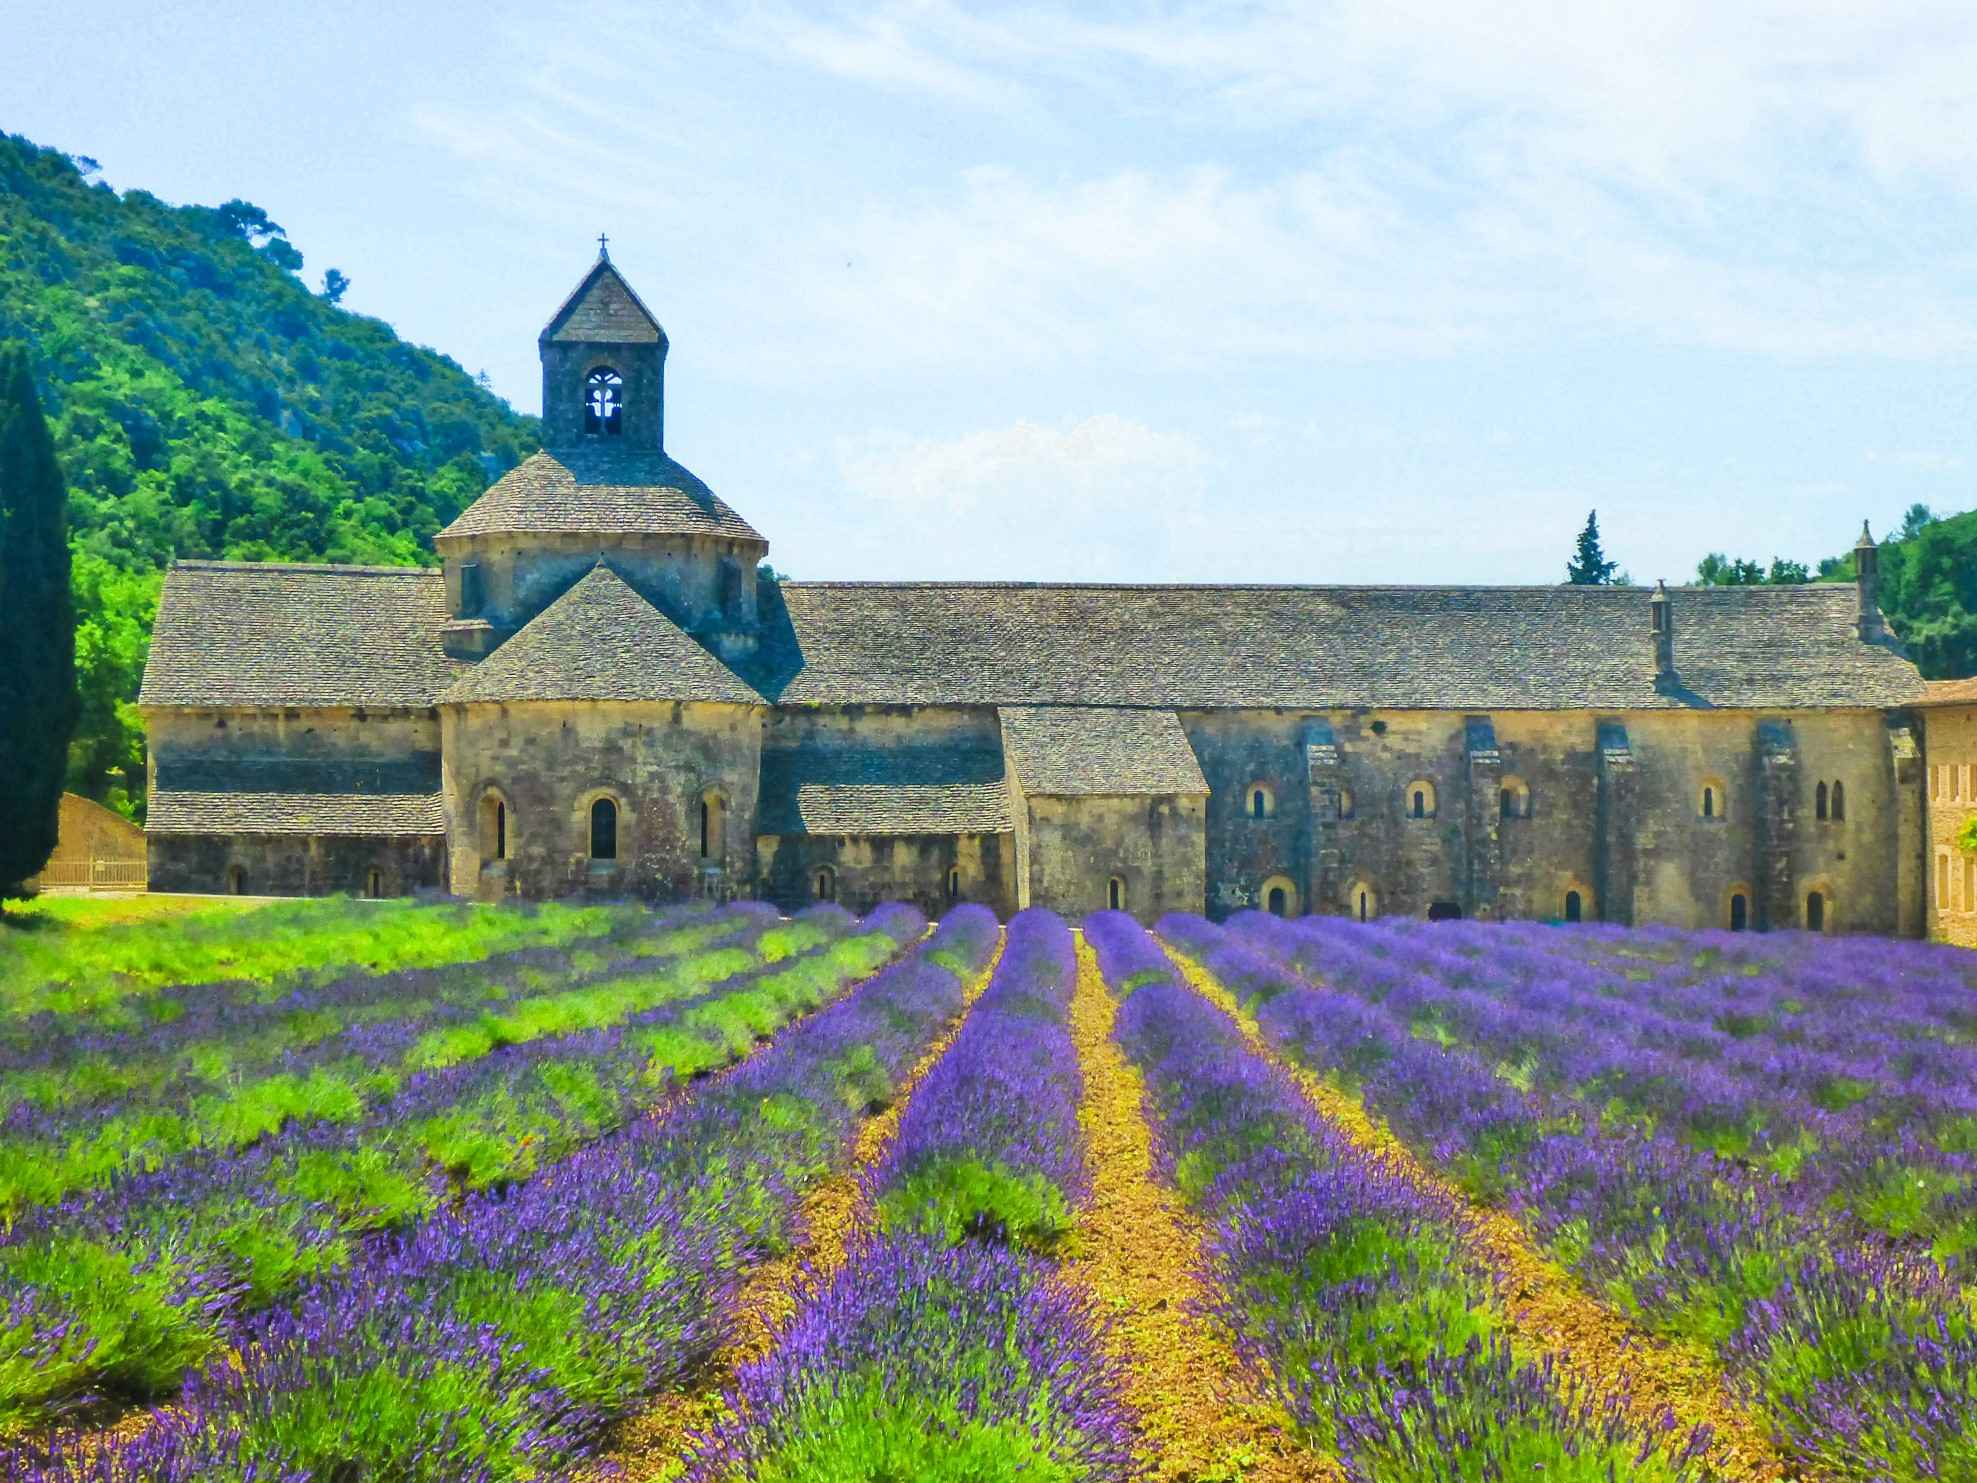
<point x="603" y="246"/>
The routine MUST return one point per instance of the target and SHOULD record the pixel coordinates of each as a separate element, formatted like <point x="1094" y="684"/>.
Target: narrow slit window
<point x="1709" y="803"/>
<point x="1115" y="894"/>
<point x="1839" y="802"/>
<point x="604" y="830"/>
<point x="1819" y="807"/>
<point x="954" y="885"/>
<point x="826" y="884"/>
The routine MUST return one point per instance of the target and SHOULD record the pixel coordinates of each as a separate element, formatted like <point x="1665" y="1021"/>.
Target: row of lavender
<point x="1347" y="1288"/>
<point x="136" y="973"/>
<point x="948" y="1346"/>
<point x="84" y="1108"/>
<point x="117" y="1292"/>
<point x="495" y="1339"/>
<point x="1860" y="1348"/>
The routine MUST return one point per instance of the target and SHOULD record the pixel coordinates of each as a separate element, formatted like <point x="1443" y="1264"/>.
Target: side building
<point x="600" y="692"/>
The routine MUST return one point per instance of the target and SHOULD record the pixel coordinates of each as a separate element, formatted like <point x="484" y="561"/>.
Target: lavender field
<point x="440" y="1193"/>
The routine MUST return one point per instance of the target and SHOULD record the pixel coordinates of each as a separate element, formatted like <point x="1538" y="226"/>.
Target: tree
<point x="1915" y="520"/>
<point x="1718" y="570"/>
<point x="38" y="702"/>
<point x="1785" y="573"/>
<point x="335" y="284"/>
<point x="1589" y="567"/>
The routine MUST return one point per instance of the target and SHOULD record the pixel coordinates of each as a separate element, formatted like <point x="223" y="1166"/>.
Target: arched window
<point x="1262" y="802"/>
<point x="1362" y="901"/>
<point x="1419" y="799"/>
<point x="493" y="823"/>
<point x="604" y="829"/>
<point x="713" y="825"/>
<point x="604" y="402"/>
<point x="954" y="883"/>
<point x="1739" y="911"/>
<point x="236" y="881"/>
<point x="1345" y="803"/>
<point x="825" y="883"/>
<point x="1574" y="908"/>
<point x="1819" y="807"/>
<point x="1514" y="799"/>
<point x="374" y="885"/>
<point x="1115" y="894"/>
<point x="1839" y="802"/>
<point x="1713" y="802"/>
<point x="1815" y="911"/>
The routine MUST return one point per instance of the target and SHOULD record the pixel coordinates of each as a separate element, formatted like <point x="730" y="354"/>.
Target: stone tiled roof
<point x="227" y="812"/>
<point x="826" y="788"/>
<point x="1469" y="648"/>
<point x="600" y="489"/>
<point x="603" y="308"/>
<point x="1071" y="750"/>
<point x="271" y="634"/>
<point x="1950" y="692"/>
<point x="601" y="641"/>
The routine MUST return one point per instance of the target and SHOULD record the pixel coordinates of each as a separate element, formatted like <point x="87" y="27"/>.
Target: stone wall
<point x="566" y="367"/>
<point x="1075" y="847"/>
<point x="1951" y="735"/>
<point x="297" y="864"/>
<point x="867" y="869"/>
<point x="703" y="583"/>
<point x="547" y="762"/>
<point x="228" y="738"/>
<point x="1608" y="812"/>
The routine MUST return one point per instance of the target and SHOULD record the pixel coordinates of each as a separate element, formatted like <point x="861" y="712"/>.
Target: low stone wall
<point x="298" y="865"/>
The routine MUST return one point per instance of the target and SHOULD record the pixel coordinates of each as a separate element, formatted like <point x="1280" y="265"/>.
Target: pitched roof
<point x="221" y="812"/>
<point x="603" y="308"/>
<point x="600" y="489"/>
<point x="829" y="787"/>
<point x="234" y="633"/>
<point x="1069" y="750"/>
<point x="1949" y="692"/>
<point x="1470" y="648"/>
<point x="601" y="641"/>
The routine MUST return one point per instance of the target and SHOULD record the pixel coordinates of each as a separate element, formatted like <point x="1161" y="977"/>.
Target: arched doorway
<point x="1815" y="911"/>
<point x="236" y="880"/>
<point x="1278" y="896"/>
<point x="1574" y="907"/>
<point x="1739" y="912"/>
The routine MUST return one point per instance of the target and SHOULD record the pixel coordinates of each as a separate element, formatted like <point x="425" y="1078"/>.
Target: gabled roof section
<point x="601" y="641"/>
<point x="822" y="786"/>
<point x="600" y="490"/>
<point x="239" y="633"/>
<point x="1950" y="692"/>
<point x="1098" y="751"/>
<point x="603" y="309"/>
<point x="1324" y="648"/>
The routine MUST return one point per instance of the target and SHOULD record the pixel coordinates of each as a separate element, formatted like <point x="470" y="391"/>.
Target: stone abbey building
<point x="600" y="693"/>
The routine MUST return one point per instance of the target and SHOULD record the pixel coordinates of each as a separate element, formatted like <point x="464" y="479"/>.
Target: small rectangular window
<point x="1956" y="782"/>
<point x="1943" y="881"/>
<point x="471" y="596"/>
<point x="1935" y="782"/>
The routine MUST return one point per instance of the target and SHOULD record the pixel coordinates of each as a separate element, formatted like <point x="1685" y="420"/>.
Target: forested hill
<point x="206" y="402"/>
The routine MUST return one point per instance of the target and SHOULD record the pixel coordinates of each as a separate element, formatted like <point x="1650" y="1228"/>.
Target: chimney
<point x="1662" y="622"/>
<point x="1866" y="585"/>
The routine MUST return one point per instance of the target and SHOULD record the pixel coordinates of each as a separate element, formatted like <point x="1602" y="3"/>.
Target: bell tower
<point x="603" y="367"/>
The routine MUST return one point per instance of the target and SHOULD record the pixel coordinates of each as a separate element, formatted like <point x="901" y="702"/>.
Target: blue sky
<point x="1365" y="292"/>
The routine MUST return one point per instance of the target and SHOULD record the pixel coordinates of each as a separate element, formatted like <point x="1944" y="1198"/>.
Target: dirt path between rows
<point x="1137" y="1247"/>
<point x="650" y="1447"/>
<point x="1552" y="1316"/>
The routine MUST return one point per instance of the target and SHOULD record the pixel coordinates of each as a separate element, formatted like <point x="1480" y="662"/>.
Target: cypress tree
<point x="1589" y="566"/>
<point x="38" y="701"/>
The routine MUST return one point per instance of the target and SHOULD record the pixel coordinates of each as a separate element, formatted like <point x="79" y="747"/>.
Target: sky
<point x="1392" y="291"/>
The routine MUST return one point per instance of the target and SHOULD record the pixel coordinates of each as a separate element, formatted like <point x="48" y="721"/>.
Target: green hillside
<point x="206" y="402"/>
